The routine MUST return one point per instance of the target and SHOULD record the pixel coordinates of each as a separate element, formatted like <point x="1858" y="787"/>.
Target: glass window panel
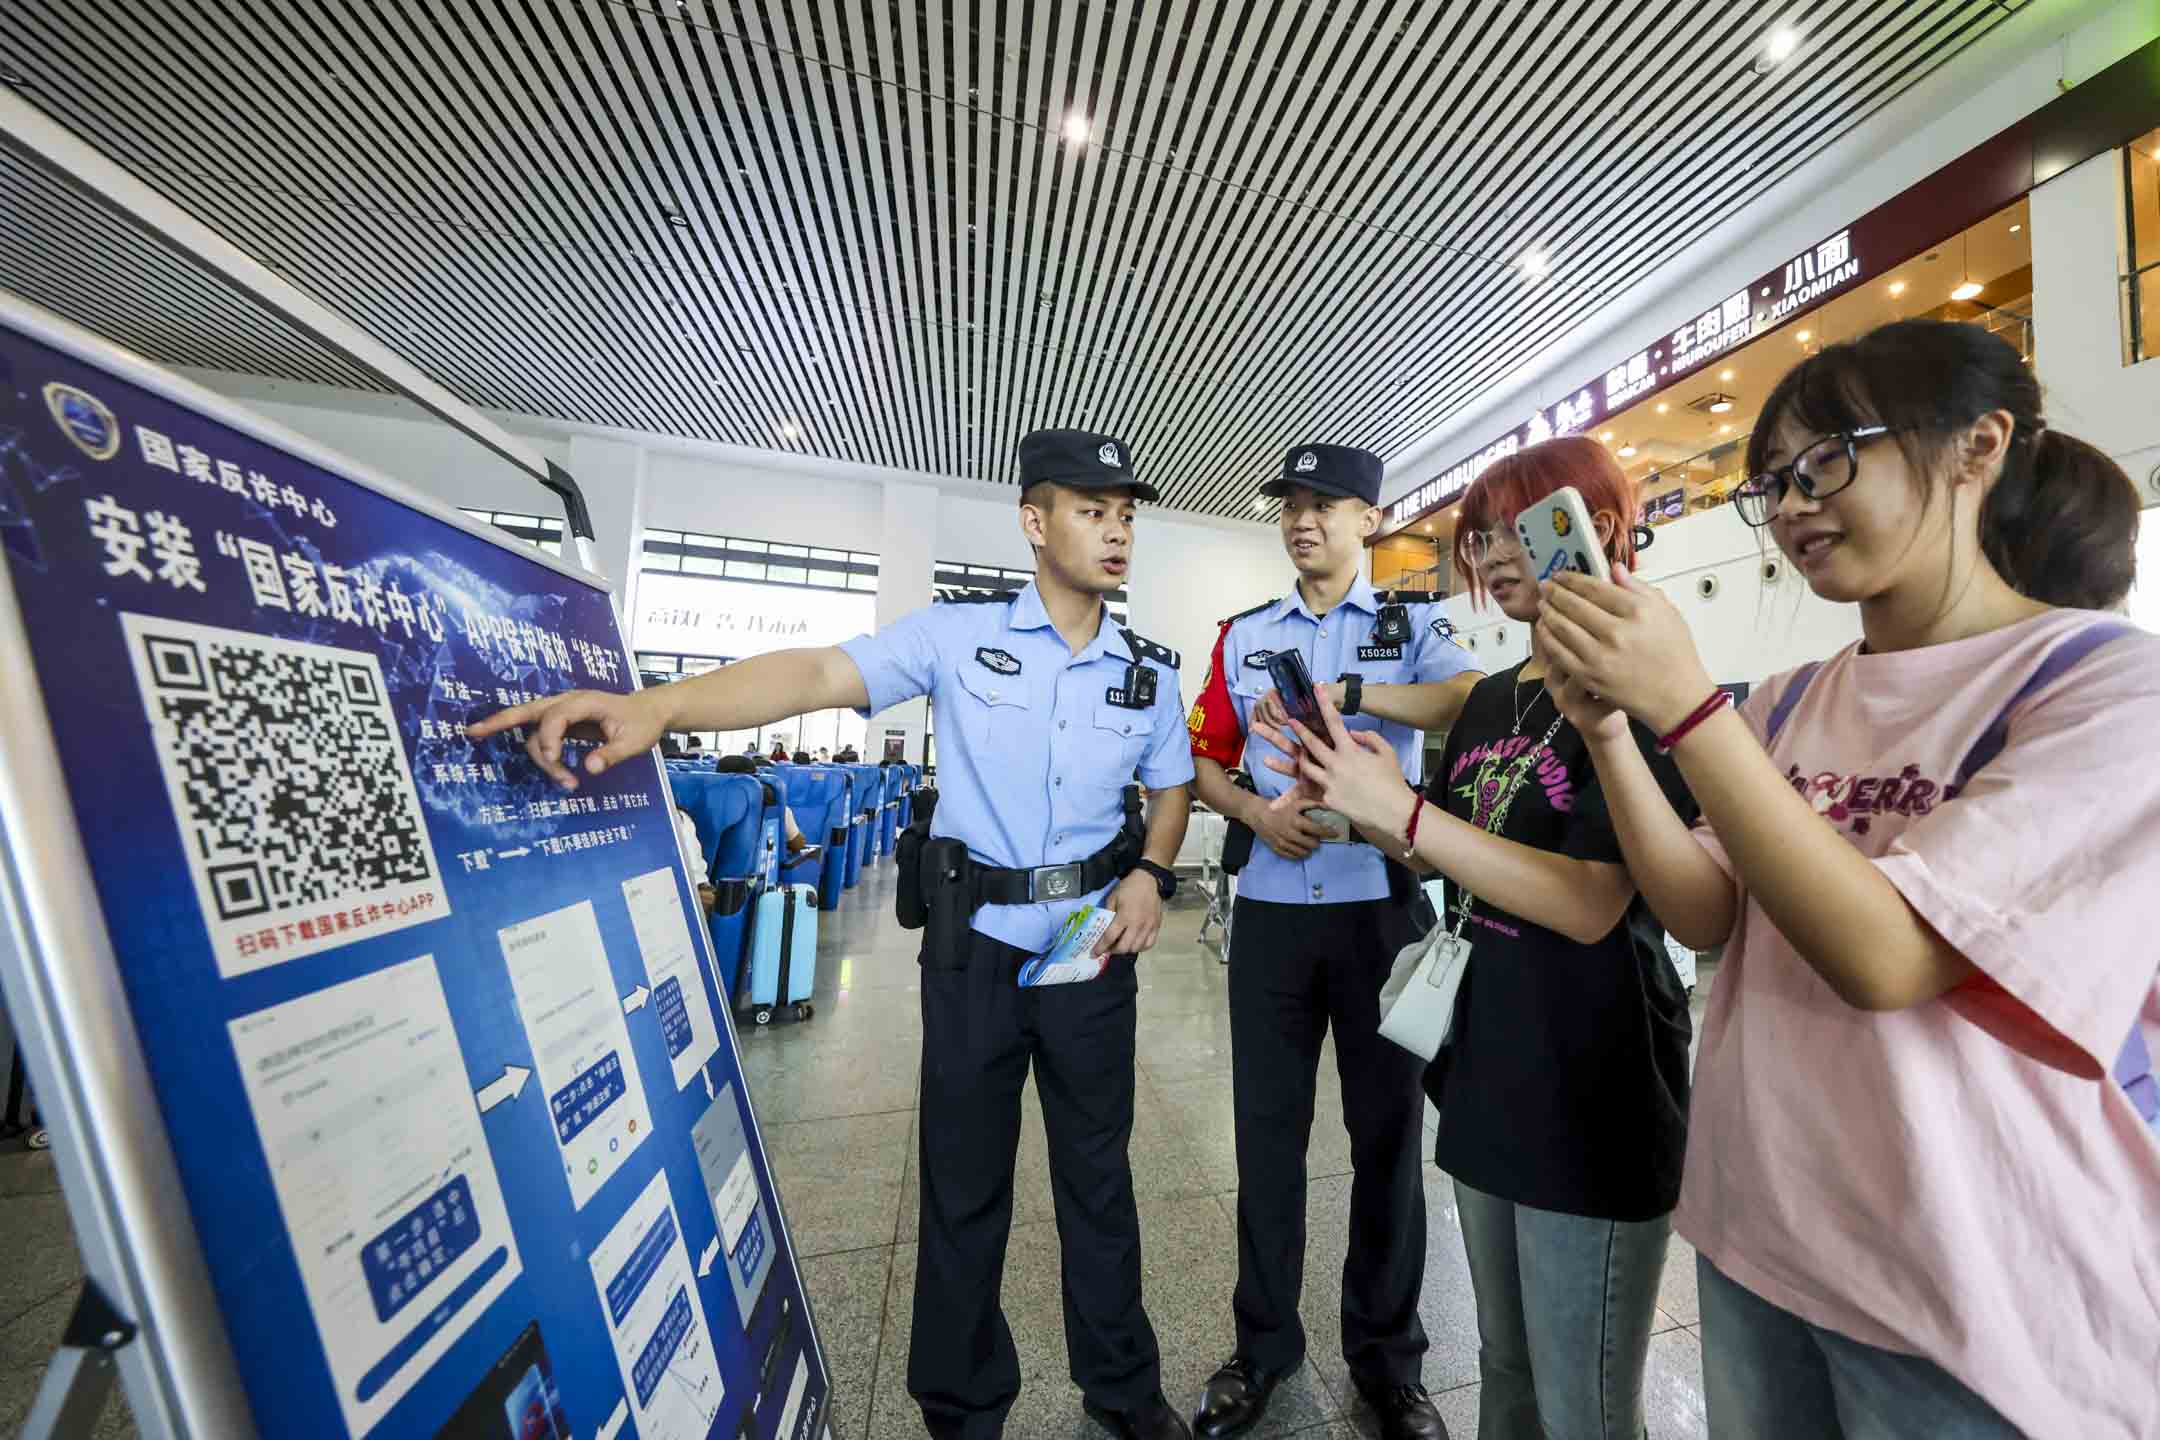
<point x="787" y="574"/>
<point x="747" y="547"/>
<point x="862" y="582"/>
<point x="739" y="569"/>
<point x="699" y="565"/>
<point x="796" y="552"/>
<point x="2144" y="203"/>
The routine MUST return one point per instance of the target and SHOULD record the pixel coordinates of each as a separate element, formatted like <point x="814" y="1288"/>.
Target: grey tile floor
<point x="836" y="1101"/>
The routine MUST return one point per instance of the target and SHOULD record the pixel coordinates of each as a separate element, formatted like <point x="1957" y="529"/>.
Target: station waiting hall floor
<point x="836" y="1100"/>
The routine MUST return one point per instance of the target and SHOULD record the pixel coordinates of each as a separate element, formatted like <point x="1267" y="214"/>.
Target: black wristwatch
<point x="1165" y="878"/>
<point x="1353" y="692"/>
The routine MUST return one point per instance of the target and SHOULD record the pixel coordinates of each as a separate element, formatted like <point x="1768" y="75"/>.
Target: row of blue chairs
<point x="851" y="814"/>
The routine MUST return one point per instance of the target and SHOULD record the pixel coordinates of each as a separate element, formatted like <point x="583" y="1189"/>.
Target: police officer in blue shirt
<point x="1046" y="712"/>
<point x="1319" y="918"/>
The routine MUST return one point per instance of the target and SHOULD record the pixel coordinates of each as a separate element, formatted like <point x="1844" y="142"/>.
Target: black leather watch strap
<point x="1353" y="692"/>
<point x="1166" y="881"/>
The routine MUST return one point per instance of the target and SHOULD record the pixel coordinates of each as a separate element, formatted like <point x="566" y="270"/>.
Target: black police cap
<point x="1331" y="470"/>
<point x="1082" y="460"/>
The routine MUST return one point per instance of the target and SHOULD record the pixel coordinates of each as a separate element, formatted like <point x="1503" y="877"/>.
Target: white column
<point x="612" y="475"/>
<point x="2078" y="262"/>
<point x="907" y="567"/>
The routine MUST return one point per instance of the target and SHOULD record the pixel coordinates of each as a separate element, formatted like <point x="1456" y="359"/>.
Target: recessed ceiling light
<point x="1804" y="336"/>
<point x="1967" y="291"/>
<point x="1663" y="407"/>
<point x="1077" y="128"/>
<point x="2015" y="228"/>
<point x="1606" y="436"/>
<point x="1536" y="264"/>
<point x="9" y="75"/>
<point x="791" y="431"/>
<point x="677" y="219"/>
<point x="1259" y="502"/>
<point x="1724" y="429"/>
<point x="1721" y="406"/>
<point x="1897" y="288"/>
<point x="1781" y="44"/>
<point x="1725" y="375"/>
<point x="1627" y="452"/>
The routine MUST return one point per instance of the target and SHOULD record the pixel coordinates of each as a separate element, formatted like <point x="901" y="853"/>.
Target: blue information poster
<point x="456" y="1107"/>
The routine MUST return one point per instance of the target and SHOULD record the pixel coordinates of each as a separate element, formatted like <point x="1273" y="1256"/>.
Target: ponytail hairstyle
<point x="1513" y="484"/>
<point x="2060" y="522"/>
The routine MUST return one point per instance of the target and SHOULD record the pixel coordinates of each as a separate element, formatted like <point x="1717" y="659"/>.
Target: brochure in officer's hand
<point x="1072" y="957"/>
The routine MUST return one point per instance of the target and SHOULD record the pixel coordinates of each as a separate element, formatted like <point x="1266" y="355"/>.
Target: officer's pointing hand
<point x="626" y="724"/>
<point x="1138" y="907"/>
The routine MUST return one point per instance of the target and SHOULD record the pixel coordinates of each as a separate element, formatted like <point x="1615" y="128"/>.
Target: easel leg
<point x="80" y="1378"/>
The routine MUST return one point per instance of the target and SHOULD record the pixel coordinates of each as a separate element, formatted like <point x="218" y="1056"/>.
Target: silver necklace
<point x="1522" y="711"/>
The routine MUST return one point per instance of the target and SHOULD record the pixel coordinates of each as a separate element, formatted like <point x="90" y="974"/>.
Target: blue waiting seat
<point x="728" y="812"/>
<point x="819" y="796"/>
<point x="862" y="833"/>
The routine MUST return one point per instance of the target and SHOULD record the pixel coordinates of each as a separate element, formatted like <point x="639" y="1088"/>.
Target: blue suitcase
<point x="783" y="952"/>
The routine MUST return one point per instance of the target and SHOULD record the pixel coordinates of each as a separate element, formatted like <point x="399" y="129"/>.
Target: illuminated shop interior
<point x="1685" y="446"/>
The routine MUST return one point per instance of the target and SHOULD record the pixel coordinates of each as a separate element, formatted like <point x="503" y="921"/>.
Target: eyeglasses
<point x="1820" y="471"/>
<point x="1481" y="545"/>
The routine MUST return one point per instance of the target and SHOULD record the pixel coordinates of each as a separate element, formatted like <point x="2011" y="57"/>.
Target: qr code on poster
<point x="291" y="789"/>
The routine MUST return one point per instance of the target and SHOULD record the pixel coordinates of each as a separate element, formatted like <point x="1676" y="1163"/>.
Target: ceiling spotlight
<point x="1627" y="452"/>
<point x="1606" y="436"/>
<point x="1781" y="44"/>
<point x="1724" y="429"/>
<point x="1897" y="288"/>
<point x="1077" y="128"/>
<point x="9" y="75"/>
<point x="1968" y="291"/>
<point x="790" y="431"/>
<point x="1725" y="375"/>
<point x="677" y="219"/>
<point x="1721" y="407"/>
<point x="1536" y="264"/>
<point x="2015" y="228"/>
<point x="1663" y="407"/>
<point x="1804" y="336"/>
<point x="1259" y="502"/>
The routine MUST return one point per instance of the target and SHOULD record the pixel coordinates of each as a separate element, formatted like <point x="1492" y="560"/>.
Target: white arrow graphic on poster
<point x="506" y="1087"/>
<point x="710" y="1094"/>
<point x="635" y="1000"/>
<point x="612" y="1426"/>
<point x="705" y="1261"/>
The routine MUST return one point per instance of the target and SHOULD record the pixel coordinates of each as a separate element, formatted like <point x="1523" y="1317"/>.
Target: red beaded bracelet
<point x="1718" y="700"/>
<point x="1410" y="831"/>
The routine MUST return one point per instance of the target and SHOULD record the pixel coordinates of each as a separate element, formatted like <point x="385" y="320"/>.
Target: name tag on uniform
<point x="1379" y="652"/>
<point x="997" y="660"/>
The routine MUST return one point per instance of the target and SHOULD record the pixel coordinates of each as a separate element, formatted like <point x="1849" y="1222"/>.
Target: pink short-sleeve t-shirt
<point x="1963" y="1179"/>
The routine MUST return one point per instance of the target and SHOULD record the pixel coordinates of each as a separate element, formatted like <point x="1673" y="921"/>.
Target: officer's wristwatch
<point x="1165" y="878"/>
<point x="1353" y="692"/>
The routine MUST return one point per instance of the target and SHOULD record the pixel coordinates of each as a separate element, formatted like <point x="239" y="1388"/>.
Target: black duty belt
<point x="995" y="885"/>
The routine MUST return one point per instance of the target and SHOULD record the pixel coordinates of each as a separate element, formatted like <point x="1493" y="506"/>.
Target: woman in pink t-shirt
<point x="1921" y="1170"/>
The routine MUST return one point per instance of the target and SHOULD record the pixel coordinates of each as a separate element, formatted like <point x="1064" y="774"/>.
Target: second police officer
<point x="1046" y="711"/>
<point x="1316" y="926"/>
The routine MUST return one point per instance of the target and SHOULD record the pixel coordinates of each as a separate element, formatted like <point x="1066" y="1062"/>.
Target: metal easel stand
<point x="79" y="1381"/>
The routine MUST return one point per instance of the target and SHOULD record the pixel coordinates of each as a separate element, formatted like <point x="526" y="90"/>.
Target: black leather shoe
<point x="1152" y="1419"/>
<point x="1405" y="1412"/>
<point x="1237" y="1396"/>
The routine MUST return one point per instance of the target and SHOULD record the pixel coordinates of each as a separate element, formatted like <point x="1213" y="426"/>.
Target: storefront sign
<point x="693" y="615"/>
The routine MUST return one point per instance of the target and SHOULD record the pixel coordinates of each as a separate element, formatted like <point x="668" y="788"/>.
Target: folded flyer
<point x="1071" y="957"/>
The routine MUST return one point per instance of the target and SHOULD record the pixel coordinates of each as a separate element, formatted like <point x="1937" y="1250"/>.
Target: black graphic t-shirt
<point x="1565" y="1082"/>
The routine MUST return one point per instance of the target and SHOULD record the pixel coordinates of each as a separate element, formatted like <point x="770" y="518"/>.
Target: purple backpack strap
<point x="2133" y="1068"/>
<point x="1782" y="711"/>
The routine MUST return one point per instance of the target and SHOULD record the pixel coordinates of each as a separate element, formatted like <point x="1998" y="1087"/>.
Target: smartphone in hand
<point x="1293" y="682"/>
<point x="1558" y="534"/>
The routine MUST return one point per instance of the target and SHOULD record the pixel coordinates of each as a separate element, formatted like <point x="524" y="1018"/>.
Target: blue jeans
<point x="1768" y="1374"/>
<point x="1564" y="1304"/>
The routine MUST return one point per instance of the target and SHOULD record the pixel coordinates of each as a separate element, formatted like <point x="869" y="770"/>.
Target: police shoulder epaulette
<point x="1145" y="649"/>
<point x="954" y="595"/>
<point x="1264" y="604"/>
<point x="1409" y="597"/>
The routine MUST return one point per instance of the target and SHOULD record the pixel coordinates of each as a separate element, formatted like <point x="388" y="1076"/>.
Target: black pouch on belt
<point x="1237" y="835"/>
<point x="948" y="903"/>
<point x="910" y="904"/>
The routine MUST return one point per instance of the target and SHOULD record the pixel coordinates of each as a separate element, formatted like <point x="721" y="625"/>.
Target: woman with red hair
<point x="1563" y="1088"/>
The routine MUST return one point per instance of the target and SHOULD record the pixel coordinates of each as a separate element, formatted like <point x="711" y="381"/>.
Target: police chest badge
<point x="996" y="660"/>
<point x="1138" y="691"/>
<point x="1258" y="659"/>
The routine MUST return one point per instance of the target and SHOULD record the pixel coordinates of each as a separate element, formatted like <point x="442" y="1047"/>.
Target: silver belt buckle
<point x="1054" y="882"/>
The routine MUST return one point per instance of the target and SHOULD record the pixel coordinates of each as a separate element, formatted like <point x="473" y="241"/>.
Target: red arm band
<point x="1213" y="722"/>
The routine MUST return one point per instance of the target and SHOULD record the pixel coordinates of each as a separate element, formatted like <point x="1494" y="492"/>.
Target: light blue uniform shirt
<point x="1034" y="753"/>
<point x="1333" y="645"/>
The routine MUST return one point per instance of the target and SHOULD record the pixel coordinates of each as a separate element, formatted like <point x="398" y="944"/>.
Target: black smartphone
<point x="1294" y="683"/>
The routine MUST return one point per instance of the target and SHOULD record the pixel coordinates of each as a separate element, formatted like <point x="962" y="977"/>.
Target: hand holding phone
<point x="1558" y="534"/>
<point x="1293" y="682"/>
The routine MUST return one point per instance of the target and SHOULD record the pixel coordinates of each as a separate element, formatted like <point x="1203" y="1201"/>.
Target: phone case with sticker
<point x="1557" y="534"/>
